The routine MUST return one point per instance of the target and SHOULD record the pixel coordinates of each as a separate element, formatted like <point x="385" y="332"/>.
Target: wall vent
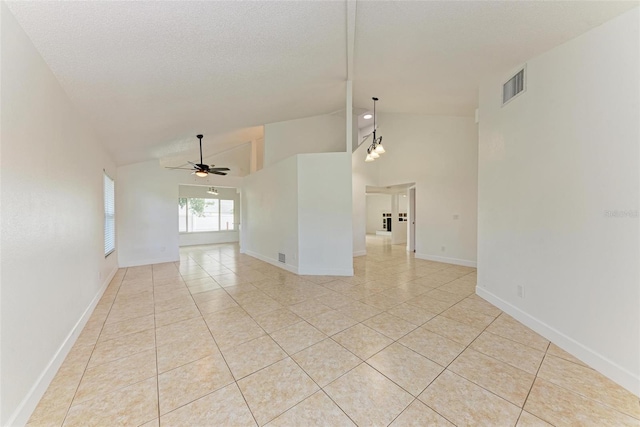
<point x="513" y="87"/>
<point x="281" y="257"/>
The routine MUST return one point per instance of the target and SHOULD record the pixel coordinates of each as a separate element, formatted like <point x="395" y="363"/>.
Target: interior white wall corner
<point x="558" y="197"/>
<point x="54" y="269"/>
<point x="147" y="210"/>
<point x="439" y="154"/>
<point x="146" y="214"/>
<point x="269" y="209"/>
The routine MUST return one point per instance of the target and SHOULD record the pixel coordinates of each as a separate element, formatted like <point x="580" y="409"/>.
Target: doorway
<point x="391" y="204"/>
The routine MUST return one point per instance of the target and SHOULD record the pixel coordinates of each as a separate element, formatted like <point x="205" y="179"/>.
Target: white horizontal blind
<point x="109" y="216"/>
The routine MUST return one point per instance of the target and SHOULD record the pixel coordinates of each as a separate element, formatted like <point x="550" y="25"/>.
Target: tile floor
<point x="222" y="339"/>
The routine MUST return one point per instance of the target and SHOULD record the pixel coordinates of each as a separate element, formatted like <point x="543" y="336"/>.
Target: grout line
<point x="94" y="345"/>
<point x="533" y="382"/>
<point x="235" y="381"/>
<point x="155" y="342"/>
<point x="388" y="267"/>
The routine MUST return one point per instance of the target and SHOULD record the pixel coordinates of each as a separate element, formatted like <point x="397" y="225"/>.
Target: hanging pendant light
<point x="376" y="148"/>
<point x="369" y="158"/>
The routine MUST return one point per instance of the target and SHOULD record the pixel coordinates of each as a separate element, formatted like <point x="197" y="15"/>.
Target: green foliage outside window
<point x="196" y="206"/>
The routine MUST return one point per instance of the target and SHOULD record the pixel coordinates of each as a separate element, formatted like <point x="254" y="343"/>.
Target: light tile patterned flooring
<point x="222" y="339"/>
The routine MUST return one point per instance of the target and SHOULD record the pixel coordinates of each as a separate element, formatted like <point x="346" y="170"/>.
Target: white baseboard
<point x="326" y="271"/>
<point x="597" y="361"/>
<point x="26" y="407"/>
<point x="272" y="261"/>
<point x="161" y="260"/>
<point x="359" y="253"/>
<point x="456" y="261"/>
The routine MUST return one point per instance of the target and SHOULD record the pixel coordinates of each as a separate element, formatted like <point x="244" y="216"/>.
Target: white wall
<point x="146" y="215"/>
<point x="317" y="134"/>
<point x="552" y="162"/>
<point x="147" y="211"/>
<point x="377" y="204"/>
<point x="259" y="153"/>
<point x="294" y="207"/>
<point x="362" y="175"/>
<point x="402" y="203"/>
<point x="399" y="228"/>
<point x="324" y="214"/>
<point x="210" y="237"/>
<point x="439" y="154"/>
<point x="269" y="212"/>
<point x="53" y="264"/>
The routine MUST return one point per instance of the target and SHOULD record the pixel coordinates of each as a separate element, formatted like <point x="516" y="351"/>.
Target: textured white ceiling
<point x="429" y="56"/>
<point x="151" y="75"/>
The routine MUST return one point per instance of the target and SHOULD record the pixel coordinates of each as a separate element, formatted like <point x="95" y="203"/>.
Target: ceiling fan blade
<point x="186" y="169"/>
<point x="218" y="173"/>
<point x="192" y="164"/>
<point x="219" y="169"/>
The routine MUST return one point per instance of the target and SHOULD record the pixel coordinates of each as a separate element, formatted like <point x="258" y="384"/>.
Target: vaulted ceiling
<point x="150" y="75"/>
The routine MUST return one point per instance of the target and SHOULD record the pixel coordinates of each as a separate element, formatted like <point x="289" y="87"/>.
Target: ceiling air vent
<point x="513" y="87"/>
<point x="281" y="257"/>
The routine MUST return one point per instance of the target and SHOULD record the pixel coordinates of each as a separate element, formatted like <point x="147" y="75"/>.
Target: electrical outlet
<point x="442" y="248"/>
<point x="456" y="216"/>
<point x="520" y="289"/>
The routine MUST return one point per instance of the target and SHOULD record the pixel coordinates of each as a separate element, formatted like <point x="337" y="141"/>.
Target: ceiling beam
<point x="351" y="36"/>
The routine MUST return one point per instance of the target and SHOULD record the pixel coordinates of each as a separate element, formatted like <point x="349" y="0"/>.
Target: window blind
<point x="109" y="216"/>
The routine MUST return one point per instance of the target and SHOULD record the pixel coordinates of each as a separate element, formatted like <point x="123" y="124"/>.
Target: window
<point x="196" y="215"/>
<point x="109" y="216"/>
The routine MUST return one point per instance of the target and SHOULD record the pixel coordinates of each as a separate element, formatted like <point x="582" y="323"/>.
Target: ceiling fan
<point x="202" y="170"/>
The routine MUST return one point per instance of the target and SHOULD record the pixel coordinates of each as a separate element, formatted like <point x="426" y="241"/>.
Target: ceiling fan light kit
<point x="376" y="148"/>
<point x="200" y="169"/>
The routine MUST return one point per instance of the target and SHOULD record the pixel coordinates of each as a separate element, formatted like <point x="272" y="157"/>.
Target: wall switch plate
<point x="456" y="216"/>
<point x="520" y="290"/>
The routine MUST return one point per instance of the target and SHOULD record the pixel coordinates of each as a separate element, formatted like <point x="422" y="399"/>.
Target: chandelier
<point x="376" y="148"/>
